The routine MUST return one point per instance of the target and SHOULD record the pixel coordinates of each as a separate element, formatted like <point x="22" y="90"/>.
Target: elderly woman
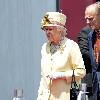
<point x="60" y="56"/>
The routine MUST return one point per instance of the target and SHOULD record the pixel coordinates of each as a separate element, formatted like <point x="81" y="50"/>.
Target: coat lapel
<point x="91" y="41"/>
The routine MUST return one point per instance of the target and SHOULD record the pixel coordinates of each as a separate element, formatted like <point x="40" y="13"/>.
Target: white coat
<point x="66" y="58"/>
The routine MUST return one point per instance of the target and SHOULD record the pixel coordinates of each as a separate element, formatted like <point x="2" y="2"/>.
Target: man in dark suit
<point x="83" y="44"/>
<point x="89" y="42"/>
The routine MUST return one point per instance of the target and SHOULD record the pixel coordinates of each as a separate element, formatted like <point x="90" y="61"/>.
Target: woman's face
<point x="52" y="33"/>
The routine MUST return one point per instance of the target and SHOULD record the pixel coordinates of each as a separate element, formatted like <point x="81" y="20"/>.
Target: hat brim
<point x="51" y="25"/>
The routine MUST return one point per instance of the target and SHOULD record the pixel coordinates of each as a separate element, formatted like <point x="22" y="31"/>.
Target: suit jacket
<point x="95" y="66"/>
<point x="83" y="44"/>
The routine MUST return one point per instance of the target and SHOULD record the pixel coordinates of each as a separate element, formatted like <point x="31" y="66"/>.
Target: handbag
<point x="74" y="90"/>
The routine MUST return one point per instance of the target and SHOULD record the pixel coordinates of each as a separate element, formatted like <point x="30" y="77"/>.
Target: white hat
<point x="53" y="19"/>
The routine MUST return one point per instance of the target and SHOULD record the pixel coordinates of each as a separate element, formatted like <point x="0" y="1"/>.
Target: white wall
<point x="20" y="43"/>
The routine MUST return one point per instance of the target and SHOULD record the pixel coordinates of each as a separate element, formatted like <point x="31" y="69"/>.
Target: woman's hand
<point x="56" y="75"/>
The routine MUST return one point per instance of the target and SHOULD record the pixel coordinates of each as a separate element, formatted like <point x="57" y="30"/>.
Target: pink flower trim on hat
<point x="57" y="23"/>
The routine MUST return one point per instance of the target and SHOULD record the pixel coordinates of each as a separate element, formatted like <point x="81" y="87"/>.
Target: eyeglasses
<point x="89" y="19"/>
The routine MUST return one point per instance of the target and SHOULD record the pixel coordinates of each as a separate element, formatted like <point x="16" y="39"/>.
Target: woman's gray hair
<point x="63" y="30"/>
